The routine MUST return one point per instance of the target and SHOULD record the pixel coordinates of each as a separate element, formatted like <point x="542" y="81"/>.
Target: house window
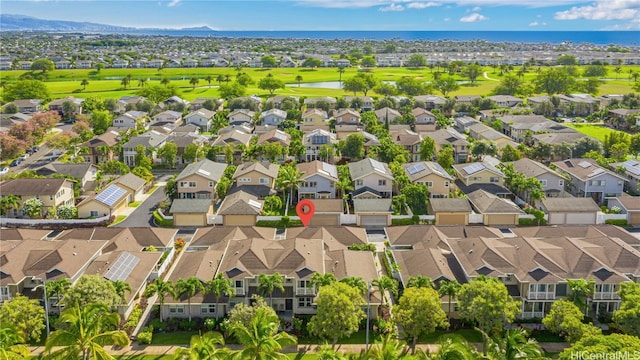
<point x="210" y="184"/>
<point x="304" y="284"/>
<point x="264" y="181"/>
<point x="176" y="309"/>
<point x="475" y="178"/>
<point x="543" y="182"/>
<point x="446" y="184"/>
<point x="597" y="183"/>
<point x="560" y="182"/>
<point x="359" y="183"/>
<point x="305" y="302"/>
<point x="494" y="179"/>
<point x="208" y="308"/>
<point x="382" y="182"/>
<point x="188" y="184"/>
<point x="244" y="180"/>
<point x="51" y="197"/>
<point x="94" y="213"/>
<point x="429" y="183"/>
<point x="239" y="284"/>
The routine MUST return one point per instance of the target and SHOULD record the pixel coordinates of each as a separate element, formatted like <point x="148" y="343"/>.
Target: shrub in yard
<point x="187" y="325"/>
<point x="210" y="324"/>
<point x="618" y="222"/>
<point x="131" y="323"/>
<point x="179" y="244"/>
<point x="146" y="335"/>
<point x="158" y="325"/>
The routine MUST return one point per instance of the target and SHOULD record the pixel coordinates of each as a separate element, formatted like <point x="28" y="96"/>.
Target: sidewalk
<point x="128" y="209"/>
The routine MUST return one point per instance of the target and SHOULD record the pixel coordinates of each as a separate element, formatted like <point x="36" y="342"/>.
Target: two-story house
<point x="56" y="105"/>
<point x="480" y="176"/>
<point x="101" y="148"/>
<point x="319" y="180"/>
<point x="588" y="179"/>
<point x="51" y="192"/>
<point x="202" y="118"/>
<point x="631" y="171"/>
<point x="387" y="115"/>
<point x="28" y="106"/>
<point x="198" y="103"/>
<point x="273" y="117"/>
<point x="198" y="180"/>
<point x="425" y="120"/>
<point x="409" y="140"/>
<point x="347" y="117"/>
<point x="151" y="141"/>
<point x="453" y="138"/>
<point x="430" y="173"/>
<point x="552" y="182"/>
<point x="257" y="178"/>
<point x="240" y="117"/>
<point x="366" y="102"/>
<point x="277" y="101"/>
<point x="311" y="102"/>
<point x="314" y="117"/>
<point x="131" y="120"/>
<point x="431" y="101"/>
<point x="183" y="140"/>
<point x="505" y="100"/>
<point x="372" y="179"/>
<point x="85" y="173"/>
<point x="169" y="117"/>
<point x="236" y="140"/>
<point x="314" y="140"/>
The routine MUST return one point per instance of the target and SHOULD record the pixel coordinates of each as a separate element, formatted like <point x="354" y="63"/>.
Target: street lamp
<point x="46" y="302"/>
<point x="369" y="291"/>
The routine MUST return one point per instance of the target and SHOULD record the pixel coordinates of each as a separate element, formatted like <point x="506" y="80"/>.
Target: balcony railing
<point x="239" y="291"/>
<point x="535" y="295"/>
<point x="606" y="296"/>
<point x="305" y="291"/>
<point x="532" y="314"/>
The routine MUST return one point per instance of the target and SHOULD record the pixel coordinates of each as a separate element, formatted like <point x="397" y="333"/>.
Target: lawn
<point x="173" y="338"/>
<point x="151" y="191"/>
<point x="472" y="336"/>
<point x="119" y="219"/>
<point x="135" y="204"/>
<point x="595" y="131"/>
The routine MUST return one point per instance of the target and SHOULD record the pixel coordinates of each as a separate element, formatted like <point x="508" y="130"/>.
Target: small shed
<point x="570" y="211"/>
<point x="450" y="211"/>
<point x="373" y="213"/>
<point x="191" y="212"/>
<point x="327" y="212"/>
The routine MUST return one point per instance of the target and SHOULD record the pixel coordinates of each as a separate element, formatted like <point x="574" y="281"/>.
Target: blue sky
<point x="343" y="14"/>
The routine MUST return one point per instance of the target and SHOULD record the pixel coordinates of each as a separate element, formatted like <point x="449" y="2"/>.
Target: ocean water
<point x="628" y="38"/>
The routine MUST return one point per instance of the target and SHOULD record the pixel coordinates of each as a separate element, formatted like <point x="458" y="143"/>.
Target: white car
<point x="4" y="171"/>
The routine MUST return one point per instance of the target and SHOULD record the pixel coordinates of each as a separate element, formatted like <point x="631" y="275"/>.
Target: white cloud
<point x="535" y="23"/>
<point x="392" y="7"/>
<point x="173" y="3"/>
<point x="372" y="3"/>
<point x="475" y="9"/>
<point x="446" y="19"/>
<point x="475" y="17"/>
<point x="603" y="10"/>
<point x="422" y="5"/>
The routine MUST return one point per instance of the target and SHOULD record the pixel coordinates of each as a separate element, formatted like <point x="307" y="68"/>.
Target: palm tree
<point x="142" y="82"/>
<point x="319" y="280"/>
<point x="344" y="185"/>
<point x="9" y="202"/>
<point x="261" y="339"/>
<point x="165" y="81"/>
<point x="420" y="282"/>
<point x="513" y="345"/>
<point x="208" y="79"/>
<point x="85" y="331"/>
<point x="58" y="287"/>
<point x="267" y="284"/>
<point x="84" y="84"/>
<point x="340" y="71"/>
<point x="390" y="349"/>
<point x="289" y="178"/>
<point x="327" y="353"/>
<point x="204" y="347"/>
<point x="449" y="289"/>
<point x="194" y="81"/>
<point x="218" y="286"/>
<point x="122" y="287"/>
<point x="356" y="282"/>
<point x="124" y="82"/>
<point x="384" y="284"/>
<point x="299" y="79"/>
<point x="617" y="70"/>
<point x="220" y="79"/>
<point x="12" y="343"/>
<point x="188" y="288"/>
<point x="162" y="289"/>
<point x="450" y="347"/>
<point x="581" y="291"/>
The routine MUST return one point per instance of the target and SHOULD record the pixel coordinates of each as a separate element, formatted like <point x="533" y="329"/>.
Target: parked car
<point x="24" y="156"/>
<point x="16" y="162"/>
<point x="4" y="171"/>
<point x="35" y="149"/>
<point x="70" y="121"/>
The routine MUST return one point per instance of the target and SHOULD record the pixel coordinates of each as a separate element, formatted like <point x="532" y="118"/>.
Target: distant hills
<point x="10" y="22"/>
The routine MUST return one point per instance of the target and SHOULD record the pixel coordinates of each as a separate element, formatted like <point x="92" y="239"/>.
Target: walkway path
<point x="488" y="78"/>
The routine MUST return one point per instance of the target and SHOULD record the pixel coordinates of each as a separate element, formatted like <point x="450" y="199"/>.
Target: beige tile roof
<point x="584" y="169"/>
<point x="321" y="168"/>
<point x="487" y="203"/>
<point x="32" y="187"/>
<point x="266" y="168"/>
<point x="240" y="203"/>
<point x="570" y="205"/>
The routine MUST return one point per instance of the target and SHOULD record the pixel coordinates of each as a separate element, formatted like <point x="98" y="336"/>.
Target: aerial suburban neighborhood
<point x="470" y="191"/>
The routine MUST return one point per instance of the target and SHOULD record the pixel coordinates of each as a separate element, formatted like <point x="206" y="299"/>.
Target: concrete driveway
<point x="142" y="216"/>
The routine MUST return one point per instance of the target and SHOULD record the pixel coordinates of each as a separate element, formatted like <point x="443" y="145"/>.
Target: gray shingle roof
<point x="190" y="206"/>
<point x="450" y="205"/>
<point x="371" y="205"/>
<point x="487" y="203"/>
<point x="570" y="205"/>
<point x="367" y="166"/>
<point x="240" y="203"/>
<point x="206" y="168"/>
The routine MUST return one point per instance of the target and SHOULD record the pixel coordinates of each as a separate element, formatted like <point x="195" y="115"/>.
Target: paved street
<point x="142" y="216"/>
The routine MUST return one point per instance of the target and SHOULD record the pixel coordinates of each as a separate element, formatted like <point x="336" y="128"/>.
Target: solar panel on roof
<point x="596" y="172"/>
<point x="280" y="136"/>
<point x="473" y="168"/>
<point x="318" y="139"/>
<point x="584" y="164"/>
<point x="204" y="172"/>
<point x="111" y="194"/>
<point x="122" y="268"/>
<point x="416" y="168"/>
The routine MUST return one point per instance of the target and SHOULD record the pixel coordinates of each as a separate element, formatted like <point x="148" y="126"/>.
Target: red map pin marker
<point x="305" y="210"/>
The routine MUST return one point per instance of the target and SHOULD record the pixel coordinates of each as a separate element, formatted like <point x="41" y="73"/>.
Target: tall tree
<point x="267" y="284"/>
<point x="384" y="284"/>
<point x="581" y="290"/>
<point x="603" y="345"/>
<point x="85" y="331"/>
<point x="289" y="178"/>
<point x="339" y="312"/>
<point x="218" y="286"/>
<point x="12" y="343"/>
<point x="208" y="346"/>
<point x="514" y="344"/>
<point x="187" y="288"/>
<point x="419" y="311"/>
<point x="565" y="318"/>
<point x="91" y="289"/>
<point x="168" y="153"/>
<point x="319" y="280"/>
<point x="450" y="290"/>
<point x="261" y="339"/>
<point x="420" y="281"/>
<point x="554" y="81"/>
<point x="122" y="288"/>
<point x="427" y="149"/>
<point x="161" y="288"/>
<point x="449" y="348"/>
<point x="446" y="85"/>
<point x="58" y="288"/>
<point x="27" y="315"/>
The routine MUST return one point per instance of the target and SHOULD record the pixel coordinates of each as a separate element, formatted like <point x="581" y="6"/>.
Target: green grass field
<point x="595" y="131"/>
<point x="106" y="83"/>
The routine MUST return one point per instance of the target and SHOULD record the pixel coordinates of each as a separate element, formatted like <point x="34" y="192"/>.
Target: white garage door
<point x="581" y="218"/>
<point x="373" y="220"/>
<point x="556" y="218"/>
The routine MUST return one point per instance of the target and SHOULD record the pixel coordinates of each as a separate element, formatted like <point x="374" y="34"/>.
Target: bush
<point x="146" y="335"/>
<point x="158" y="325"/>
<point x="618" y="222"/>
<point x="407" y="221"/>
<point x="363" y="247"/>
<point x="210" y="324"/>
<point x="179" y="244"/>
<point x="187" y="325"/>
<point x="278" y="223"/>
<point x="133" y="320"/>
<point x="160" y="221"/>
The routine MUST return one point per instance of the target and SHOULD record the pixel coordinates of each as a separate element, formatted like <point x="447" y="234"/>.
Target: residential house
<point x="62" y="64"/>
<point x="201" y="118"/>
<point x="108" y="202"/>
<point x="342" y="131"/>
<point x="198" y="180"/>
<point x="151" y="141"/>
<point x="84" y="64"/>
<point x="450" y="211"/>
<point x="463" y="124"/>
<point x="618" y="118"/>
<point x="256" y="178"/>
<point x="235" y="139"/>
<point x="495" y="210"/>
<point x="457" y="141"/>
<point x="366" y="102"/>
<point x="479" y="173"/>
<point x="466" y="99"/>
<point x="311" y="102"/>
<point x="570" y="211"/>
<point x="629" y="205"/>
<point x="431" y="101"/>
<point x="191" y="212"/>
<point x="314" y="117"/>
<point x="347" y="117"/>
<point x="276" y="101"/>
<point x="240" y="117"/>
<point x="588" y="179"/>
<point x="56" y="105"/>
<point x="29" y="106"/>
<point x="387" y="115"/>
<point x="172" y="117"/>
<point x="630" y="169"/>
<point x="505" y="100"/>
<point x="120" y="64"/>
<point x="557" y="138"/>
<point x="275" y="136"/>
<point x="133" y="184"/>
<point x="521" y="127"/>
<point x="198" y="103"/>
<point x="552" y="182"/>
<point x="425" y="120"/>
<point x="313" y="142"/>
<point x="580" y="104"/>
<point x="85" y="173"/>
<point x="101" y="147"/>
<point x="430" y="173"/>
<point x="408" y="139"/>
<point x="372" y="179"/>
<point x="126" y="103"/>
<point x="240" y="208"/>
<point x="481" y="131"/>
<point x="319" y="178"/>
<point x="257" y="100"/>
<point x="372" y="213"/>
<point x="182" y="141"/>
<point x="131" y="120"/>
<point x="273" y="117"/>
<point x="51" y="192"/>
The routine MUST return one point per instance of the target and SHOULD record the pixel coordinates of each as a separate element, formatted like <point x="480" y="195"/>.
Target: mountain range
<point x="10" y="22"/>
